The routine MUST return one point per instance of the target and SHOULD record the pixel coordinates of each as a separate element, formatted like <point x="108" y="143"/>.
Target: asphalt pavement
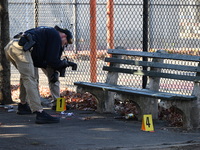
<point x="89" y="130"/>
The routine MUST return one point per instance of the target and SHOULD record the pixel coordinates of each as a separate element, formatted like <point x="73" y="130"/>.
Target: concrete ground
<point x="89" y="130"/>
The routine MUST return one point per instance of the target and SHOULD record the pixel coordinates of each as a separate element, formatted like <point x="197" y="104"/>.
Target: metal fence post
<point x="75" y="26"/>
<point x="36" y="10"/>
<point x="93" y="51"/>
<point x="145" y="36"/>
<point x="110" y="24"/>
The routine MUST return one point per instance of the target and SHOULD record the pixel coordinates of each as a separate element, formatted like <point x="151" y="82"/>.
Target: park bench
<point x="152" y="67"/>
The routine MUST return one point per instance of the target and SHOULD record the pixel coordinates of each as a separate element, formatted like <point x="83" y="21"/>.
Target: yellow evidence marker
<point x="60" y="104"/>
<point x="147" y="123"/>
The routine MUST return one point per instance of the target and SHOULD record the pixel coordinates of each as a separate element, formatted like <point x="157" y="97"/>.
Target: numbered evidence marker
<point x="60" y="104"/>
<point x="147" y="123"/>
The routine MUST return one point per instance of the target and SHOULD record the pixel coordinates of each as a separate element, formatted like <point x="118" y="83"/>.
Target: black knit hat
<point x="67" y="32"/>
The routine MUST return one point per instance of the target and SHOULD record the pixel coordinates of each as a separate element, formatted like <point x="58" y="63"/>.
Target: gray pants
<point x="54" y="87"/>
<point x="28" y="83"/>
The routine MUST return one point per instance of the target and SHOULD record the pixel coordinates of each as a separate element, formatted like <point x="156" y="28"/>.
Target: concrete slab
<point x="88" y="130"/>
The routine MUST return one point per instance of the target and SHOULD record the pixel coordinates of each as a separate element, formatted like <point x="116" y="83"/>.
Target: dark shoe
<point x="24" y="109"/>
<point x="43" y="117"/>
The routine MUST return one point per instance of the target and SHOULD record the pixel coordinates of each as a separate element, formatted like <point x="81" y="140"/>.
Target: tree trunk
<point x="5" y="88"/>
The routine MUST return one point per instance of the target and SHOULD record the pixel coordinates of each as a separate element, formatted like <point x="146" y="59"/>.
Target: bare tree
<point x="5" y="88"/>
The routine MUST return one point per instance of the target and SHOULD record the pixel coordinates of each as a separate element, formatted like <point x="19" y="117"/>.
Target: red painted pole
<point x="110" y="24"/>
<point x="93" y="51"/>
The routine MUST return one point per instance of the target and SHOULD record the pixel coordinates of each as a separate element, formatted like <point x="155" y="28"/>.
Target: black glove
<point x="62" y="72"/>
<point x="54" y="77"/>
<point x="65" y="63"/>
<point x="73" y="65"/>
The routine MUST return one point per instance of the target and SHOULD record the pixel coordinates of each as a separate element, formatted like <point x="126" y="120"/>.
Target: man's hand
<point x="73" y="65"/>
<point x="54" y="77"/>
<point x="67" y="63"/>
<point x="61" y="72"/>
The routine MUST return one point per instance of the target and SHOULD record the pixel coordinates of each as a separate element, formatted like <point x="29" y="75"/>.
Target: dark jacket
<point x="48" y="48"/>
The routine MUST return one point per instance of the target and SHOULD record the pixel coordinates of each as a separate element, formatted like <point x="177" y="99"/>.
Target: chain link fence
<point x="172" y="25"/>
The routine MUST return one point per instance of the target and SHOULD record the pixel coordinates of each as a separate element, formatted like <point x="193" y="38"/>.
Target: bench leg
<point x="195" y="114"/>
<point x="150" y="106"/>
<point x="196" y="106"/>
<point x="109" y="102"/>
<point x="190" y="112"/>
<point x="192" y="116"/>
<point x="105" y="102"/>
<point x="145" y="105"/>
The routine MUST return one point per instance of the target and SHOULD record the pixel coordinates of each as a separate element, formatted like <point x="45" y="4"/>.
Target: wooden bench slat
<point x="155" y="55"/>
<point x="153" y="64"/>
<point x="152" y="73"/>
<point x="144" y="92"/>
